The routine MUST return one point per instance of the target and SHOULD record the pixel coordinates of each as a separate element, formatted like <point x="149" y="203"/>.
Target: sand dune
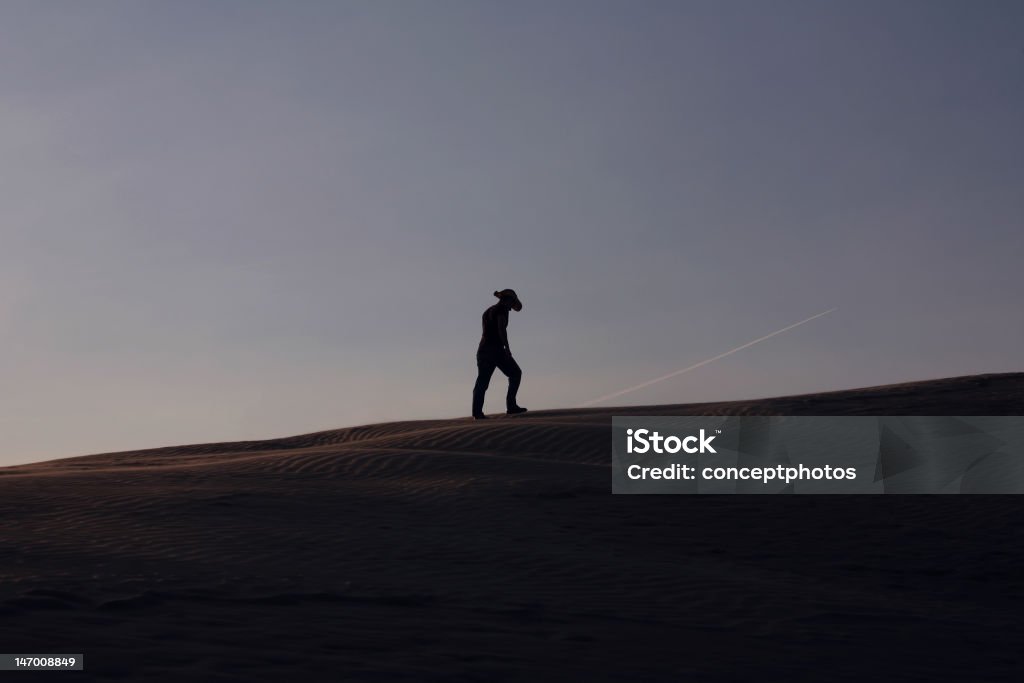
<point x="455" y="550"/>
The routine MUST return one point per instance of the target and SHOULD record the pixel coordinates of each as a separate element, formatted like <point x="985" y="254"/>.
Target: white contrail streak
<point x="705" y="362"/>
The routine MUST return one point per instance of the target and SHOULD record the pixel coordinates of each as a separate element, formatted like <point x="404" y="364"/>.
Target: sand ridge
<point x="493" y="551"/>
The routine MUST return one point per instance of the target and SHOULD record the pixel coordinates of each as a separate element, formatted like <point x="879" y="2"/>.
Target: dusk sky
<point x="242" y="220"/>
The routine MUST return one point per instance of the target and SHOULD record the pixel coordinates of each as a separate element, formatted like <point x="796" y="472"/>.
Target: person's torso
<point x="495" y="322"/>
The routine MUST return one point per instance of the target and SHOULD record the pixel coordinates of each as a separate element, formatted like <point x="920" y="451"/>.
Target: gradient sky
<point x="240" y="220"/>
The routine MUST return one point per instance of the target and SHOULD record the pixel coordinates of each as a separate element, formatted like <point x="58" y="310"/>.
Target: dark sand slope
<point x="461" y="551"/>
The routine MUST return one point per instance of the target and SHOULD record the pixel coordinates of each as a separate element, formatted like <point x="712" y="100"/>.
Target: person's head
<point x="509" y="299"/>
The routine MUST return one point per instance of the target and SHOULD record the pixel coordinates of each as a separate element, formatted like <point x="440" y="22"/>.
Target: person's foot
<point x="480" y="416"/>
<point x="515" y="410"/>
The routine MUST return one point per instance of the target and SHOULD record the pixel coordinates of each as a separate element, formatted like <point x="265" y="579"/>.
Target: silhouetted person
<point x="493" y="352"/>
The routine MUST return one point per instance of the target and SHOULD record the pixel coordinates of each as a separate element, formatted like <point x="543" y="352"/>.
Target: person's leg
<point x="484" y="369"/>
<point x="510" y="367"/>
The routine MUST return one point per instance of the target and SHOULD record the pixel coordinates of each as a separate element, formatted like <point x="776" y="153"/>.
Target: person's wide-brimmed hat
<point x="511" y="296"/>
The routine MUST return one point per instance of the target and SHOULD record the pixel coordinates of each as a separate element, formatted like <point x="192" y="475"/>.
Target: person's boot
<point x="479" y="416"/>
<point x="515" y="410"/>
